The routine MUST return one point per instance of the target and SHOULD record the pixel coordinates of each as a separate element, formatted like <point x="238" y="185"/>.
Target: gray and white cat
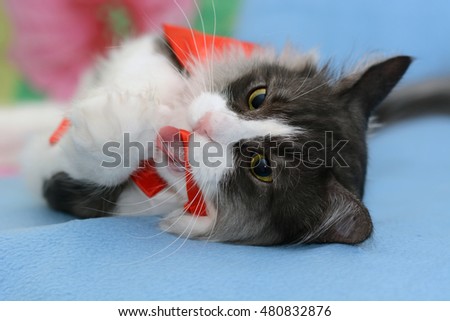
<point x="289" y="136"/>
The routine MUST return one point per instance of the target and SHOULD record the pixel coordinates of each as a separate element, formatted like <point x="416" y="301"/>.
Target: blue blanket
<point x="51" y="256"/>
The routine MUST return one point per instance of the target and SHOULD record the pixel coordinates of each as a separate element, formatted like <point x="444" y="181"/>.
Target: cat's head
<point x="279" y="149"/>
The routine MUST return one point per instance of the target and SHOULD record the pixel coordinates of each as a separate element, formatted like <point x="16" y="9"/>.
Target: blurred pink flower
<point x="56" y="40"/>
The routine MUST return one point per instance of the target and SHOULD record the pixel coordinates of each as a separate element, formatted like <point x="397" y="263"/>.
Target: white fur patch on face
<point x="210" y="116"/>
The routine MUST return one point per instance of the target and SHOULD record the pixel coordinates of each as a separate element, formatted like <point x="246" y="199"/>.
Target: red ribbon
<point x="188" y="44"/>
<point x="60" y="131"/>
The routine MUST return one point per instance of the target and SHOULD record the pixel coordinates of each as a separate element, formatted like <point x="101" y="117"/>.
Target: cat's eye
<point x="260" y="168"/>
<point x="256" y="98"/>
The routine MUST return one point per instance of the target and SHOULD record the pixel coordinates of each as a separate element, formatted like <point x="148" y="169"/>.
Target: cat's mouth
<point x="172" y="143"/>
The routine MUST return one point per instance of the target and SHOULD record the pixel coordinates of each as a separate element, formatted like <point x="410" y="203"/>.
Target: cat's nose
<point x="202" y="126"/>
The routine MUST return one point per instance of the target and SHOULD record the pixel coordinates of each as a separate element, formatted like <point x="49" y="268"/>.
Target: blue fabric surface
<point x="45" y="255"/>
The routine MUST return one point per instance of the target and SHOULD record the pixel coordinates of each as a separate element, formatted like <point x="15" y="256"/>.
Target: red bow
<point x="188" y="44"/>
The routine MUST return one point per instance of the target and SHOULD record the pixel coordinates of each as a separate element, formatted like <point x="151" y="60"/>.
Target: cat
<point x="291" y="135"/>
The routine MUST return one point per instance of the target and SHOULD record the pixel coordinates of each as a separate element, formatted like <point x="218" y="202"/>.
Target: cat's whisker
<point x="190" y="226"/>
<point x="213" y="225"/>
<point x="159" y="34"/>
<point x="159" y="251"/>
<point x="100" y="190"/>
<point x="162" y="250"/>
<point x="165" y="191"/>
<point x="184" y="211"/>
<point x="213" y="42"/>
<point x="311" y="90"/>
<point x="306" y="78"/>
<point x="275" y="199"/>
<point x="198" y="194"/>
<point x="204" y="31"/>
<point x="174" y="222"/>
<point x="168" y="246"/>
<point x="186" y="81"/>
<point x="163" y="231"/>
<point x="191" y="31"/>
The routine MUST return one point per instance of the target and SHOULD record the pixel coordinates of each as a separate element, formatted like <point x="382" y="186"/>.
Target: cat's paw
<point x="109" y="135"/>
<point x="187" y="225"/>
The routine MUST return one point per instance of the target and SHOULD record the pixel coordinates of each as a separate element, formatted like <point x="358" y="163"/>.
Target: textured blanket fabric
<point x="129" y="258"/>
<point x="46" y="255"/>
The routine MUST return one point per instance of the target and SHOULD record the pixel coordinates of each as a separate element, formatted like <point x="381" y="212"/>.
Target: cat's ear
<point x="369" y="88"/>
<point x="347" y="220"/>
